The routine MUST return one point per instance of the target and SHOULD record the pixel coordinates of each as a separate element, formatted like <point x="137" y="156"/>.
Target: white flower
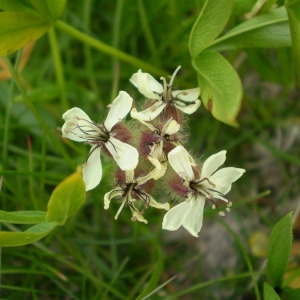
<point x="185" y="100"/>
<point x="132" y="193"/>
<point x="80" y="128"/>
<point x="210" y="185"/>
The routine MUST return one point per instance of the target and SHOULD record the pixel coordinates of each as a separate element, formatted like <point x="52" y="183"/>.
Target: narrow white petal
<point x="110" y="195"/>
<point x="125" y="155"/>
<point x="149" y="113"/>
<point x="137" y="216"/>
<point x="194" y="219"/>
<point x="174" y="218"/>
<point x="92" y="169"/>
<point x="189" y="108"/>
<point x="180" y="161"/>
<point x="75" y="113"/>
<point x="224" y="177"/>
<point x="119" y="108"/>
<point x="213" y="163"/>
<point x="158" y="205"/>
<point x="147" y="85"/>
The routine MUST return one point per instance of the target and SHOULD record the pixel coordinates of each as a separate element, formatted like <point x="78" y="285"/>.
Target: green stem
<point x="147" y="31"/>
<point x="58" y="68"/>
<point x="108" y="49"/>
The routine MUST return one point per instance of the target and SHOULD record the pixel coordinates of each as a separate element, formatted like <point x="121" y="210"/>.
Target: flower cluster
<point x="158" y="143"/>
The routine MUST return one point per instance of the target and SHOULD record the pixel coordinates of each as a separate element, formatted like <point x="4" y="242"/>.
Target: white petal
<point x="190" y="95"/>
<point x="180" y="161"/>
<point x="189" y="108"/>
<point x="158" y="205"/>
<point x="110" y="195"/>
<point x="174" y="218"/>
<point x="213" y="163"/>
<point x="125" y="155"/>
<point x="75" y="113"/>
<point x="171" y="128"/>
<point x="224" y="177"/>
<point x="78" y="126"/>
<point x="92" y="169"/>
<point x="119" y="108"/>
<point x="147" y="85"/>
<point x="137" y="216"/>
<point x="194" y="219"/>
<point x="150" y="113"/>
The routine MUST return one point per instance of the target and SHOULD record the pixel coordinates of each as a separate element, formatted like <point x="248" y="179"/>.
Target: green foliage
<point x="221" y="89"/>
<point x="269" y="30"/>
<point x="31" y="235"/>
<point x="66" y="199"/>
<point x="269" y="293"/>
<point x="210" y="22"/>
<point x="293" y="10"/>
<point x="279" y="248"/>
<point x="23" y="22"/>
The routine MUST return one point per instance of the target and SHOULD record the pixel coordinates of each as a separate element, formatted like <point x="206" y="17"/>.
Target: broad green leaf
<point x="279" y="248"/>
<point x="15" y="5"/>
<point x="269" y="293"/>
<point x="269" y="30"/>
<point x="50" y="8"/>
<point x="66" y="199"/>
<point x="220" y="85"/>
<point x="293" y="10"/>
<point x="18" y="29"/>
<point x="56" y="7"/>
<point x="22" y="217"/>
<point x="209" y="24"/>
<point x="31" y="235"/>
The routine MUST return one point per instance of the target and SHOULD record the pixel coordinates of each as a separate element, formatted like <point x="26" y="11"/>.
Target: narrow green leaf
<point x="209" y="24"/>
<point x="33" y="234"/>
<point x="22" y="217"/>
<point x="18" y="29"/>
<point x="269" y="293"/>
<point x="156" y="275"/>
<point x="66" y="199"/>
<point x="270" y="30"/>
<point x="293" y="10"/>
<point x="279" y="248"/>
<point x="221" y="88"/>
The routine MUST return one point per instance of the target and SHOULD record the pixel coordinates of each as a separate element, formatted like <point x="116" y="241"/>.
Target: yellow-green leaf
<point x="31" y="235"/>
<point x="220" y="85"/>
<point x="66" y="199"/>
<point x="20" y="28"/>
<point x="22" y="217"/>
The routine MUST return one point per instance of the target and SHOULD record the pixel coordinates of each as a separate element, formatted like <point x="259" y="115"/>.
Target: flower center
<point x="93" y="133"/>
